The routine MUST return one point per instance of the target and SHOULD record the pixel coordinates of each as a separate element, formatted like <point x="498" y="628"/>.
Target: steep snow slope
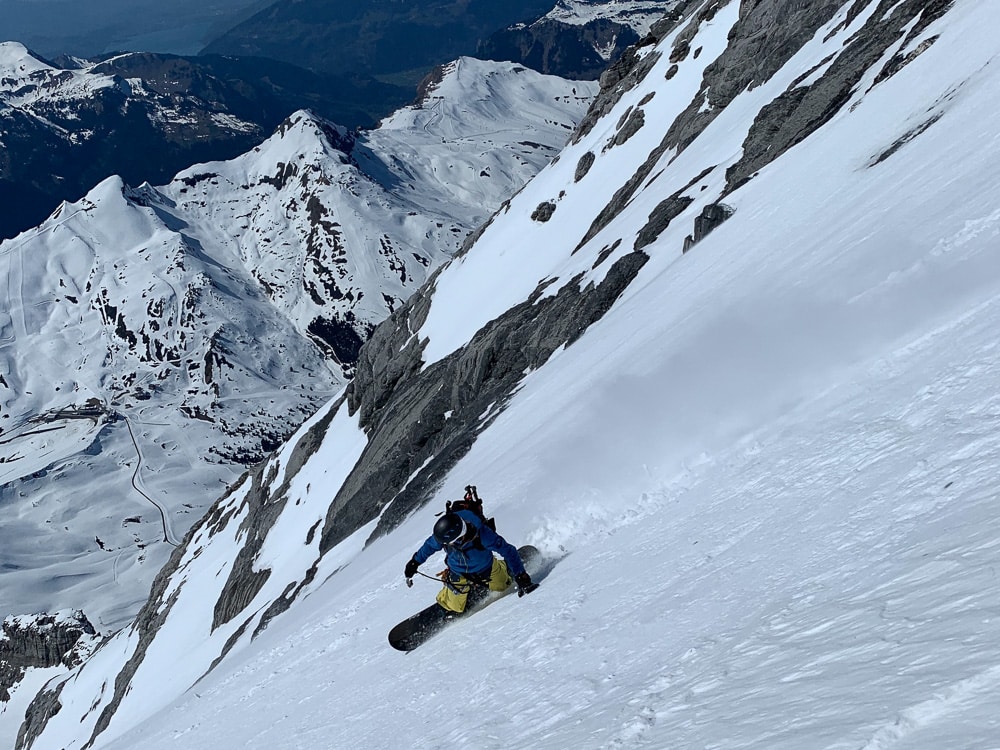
<point x="155" y="341"/>
<point x="766" y="474"/>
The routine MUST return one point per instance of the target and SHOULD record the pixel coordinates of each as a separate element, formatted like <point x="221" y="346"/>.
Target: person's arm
<point x="427" y="549"/>
<point x="493" y="541"/>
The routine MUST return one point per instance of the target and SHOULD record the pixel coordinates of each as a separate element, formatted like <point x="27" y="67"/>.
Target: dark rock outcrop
<point x="583" y="166"/>
<point x="708" y="220"/>
<point x="660" y="218"/>
<point x="574" y="51"/>
<point x="45" y="705"/>
<point x="40" y="641"/>
<point x="544" y="212"/>
<point x="632" y="125"/>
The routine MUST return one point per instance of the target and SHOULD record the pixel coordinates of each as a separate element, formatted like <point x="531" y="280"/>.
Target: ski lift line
<point x="136" y="481"/>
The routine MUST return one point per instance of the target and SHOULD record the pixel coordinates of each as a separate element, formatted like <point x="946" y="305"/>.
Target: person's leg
<point x="454" y="595"/>
<point x="499" y="576"/>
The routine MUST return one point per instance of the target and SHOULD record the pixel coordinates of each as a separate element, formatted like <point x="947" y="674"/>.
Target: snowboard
<point x="418" y="628"/>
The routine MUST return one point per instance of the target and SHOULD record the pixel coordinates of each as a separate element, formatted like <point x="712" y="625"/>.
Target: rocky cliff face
<point x="766" y="36"/>
<point x="577" y="51"/>
<point x="41" y="641"/>
<point x="400" y="404"/>
<point x="811" y="102"/>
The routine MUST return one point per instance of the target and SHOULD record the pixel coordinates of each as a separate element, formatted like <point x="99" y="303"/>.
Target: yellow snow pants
<point x="455" y="594"/>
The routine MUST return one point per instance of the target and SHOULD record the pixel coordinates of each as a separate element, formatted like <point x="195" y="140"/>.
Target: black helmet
<point x="450" y="528"/>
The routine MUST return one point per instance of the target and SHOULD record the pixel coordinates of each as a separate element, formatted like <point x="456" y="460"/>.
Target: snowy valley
<point x="729" y="361"/>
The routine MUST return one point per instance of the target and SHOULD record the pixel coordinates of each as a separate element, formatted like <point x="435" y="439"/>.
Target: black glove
<point x="524" y="584"/>
<point x="411" y="568"/>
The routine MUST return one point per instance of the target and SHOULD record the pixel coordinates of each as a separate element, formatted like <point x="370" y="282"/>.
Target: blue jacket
<point x="475" y="556"/>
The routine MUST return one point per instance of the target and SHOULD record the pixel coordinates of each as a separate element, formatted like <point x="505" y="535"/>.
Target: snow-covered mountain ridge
<point x="27" y="81"/>
<point x="639" y="15"/>
<point x="765" y="467"/>
<point x="578" y="38"/>
<point x="61" y="129"/>
<point x="155" y="341"/>
<point x="67" y="125"/>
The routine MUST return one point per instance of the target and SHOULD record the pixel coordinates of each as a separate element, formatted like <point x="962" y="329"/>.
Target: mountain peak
<point x="17" y="61"/>
<point x="304" y="127"/>
<point x="13" y="51"/>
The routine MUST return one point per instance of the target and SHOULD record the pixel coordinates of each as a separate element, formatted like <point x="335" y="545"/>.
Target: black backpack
<point x="472" y="502"/>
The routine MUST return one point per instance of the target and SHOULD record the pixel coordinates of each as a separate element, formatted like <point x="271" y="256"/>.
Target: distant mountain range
<point x="578" y="38"/>
<point x="378" y="37"/>
<point x="402" y="41"/>
<point x="577" y="51"/>
<point x="66" y="125"/>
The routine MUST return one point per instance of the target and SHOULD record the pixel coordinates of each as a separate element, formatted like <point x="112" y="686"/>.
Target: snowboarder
<point x="469" y="542"/>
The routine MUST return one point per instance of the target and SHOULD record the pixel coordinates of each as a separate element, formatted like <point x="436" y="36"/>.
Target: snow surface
<point x="15" y="57"/>
<point x="766" y="478"/>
